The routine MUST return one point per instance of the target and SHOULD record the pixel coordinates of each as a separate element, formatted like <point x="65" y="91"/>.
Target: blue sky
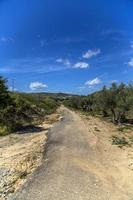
<point x="73" y="46"/>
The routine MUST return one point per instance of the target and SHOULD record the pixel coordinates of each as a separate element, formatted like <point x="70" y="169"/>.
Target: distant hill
<point x="59" y="95"/>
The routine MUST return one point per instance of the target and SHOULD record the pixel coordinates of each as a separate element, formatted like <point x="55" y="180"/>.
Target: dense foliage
<point x="17" y="110"/>
<point x="115" y="102"/>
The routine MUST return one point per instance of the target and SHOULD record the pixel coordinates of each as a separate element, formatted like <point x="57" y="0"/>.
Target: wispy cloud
<point x="42" y="43"/>
<point x="91" y="53"/>
<point x="3" y="39"/>
<point x="28" y="65"/>
<point x="131" y="44"/>
<point x="37" y="86"/>
<point x="63" y="61"/>
<point x="113" y="32"/>
<point x="81" y="65"/>
<point x="6" y="39"/>
<point x="82" y="88"/>
<point x="130" y="63"/>
<point x="5" y="69"/>
<point x="69" y="40"/>
<point x="93" y="82"/>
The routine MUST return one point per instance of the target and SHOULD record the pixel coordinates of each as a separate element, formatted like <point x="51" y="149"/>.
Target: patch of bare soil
<point x="20" y="155"/>
<point x="112" y="164"/>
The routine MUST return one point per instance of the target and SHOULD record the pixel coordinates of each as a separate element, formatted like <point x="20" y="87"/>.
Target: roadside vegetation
<point x="115" y="103"/>
<point x="18" y="110"/>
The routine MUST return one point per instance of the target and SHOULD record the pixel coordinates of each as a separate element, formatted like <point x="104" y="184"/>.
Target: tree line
<point x="115" y="103"/>
<point x="21" y="109"/>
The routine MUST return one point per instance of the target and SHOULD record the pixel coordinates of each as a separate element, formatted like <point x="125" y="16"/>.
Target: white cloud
<point x="91" y="53"/>
<point x="130" y="63"/>
<point x="81" y="65"/>
<point x="37" y="86"/>
<point x="93" y="82"/>
<point x="114" y="81"/>
<point x="90" y="84"/>
<point x="64" y="61"/>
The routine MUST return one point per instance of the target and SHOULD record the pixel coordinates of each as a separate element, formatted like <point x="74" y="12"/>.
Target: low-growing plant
<point x="125" y="127"/>
<point x="120" y="141"/>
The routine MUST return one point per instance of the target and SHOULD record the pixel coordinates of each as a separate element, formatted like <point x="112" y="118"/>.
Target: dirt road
<point x="75" y="167"/>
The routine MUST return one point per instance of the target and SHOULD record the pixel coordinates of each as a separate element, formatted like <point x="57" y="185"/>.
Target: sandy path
<point x="21" y="154"/>
<point x="81" y="164"/>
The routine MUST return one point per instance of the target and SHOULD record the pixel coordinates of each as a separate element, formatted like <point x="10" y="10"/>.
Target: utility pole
<point x="13" y="85"/>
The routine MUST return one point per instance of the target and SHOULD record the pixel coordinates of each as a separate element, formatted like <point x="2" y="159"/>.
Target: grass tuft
<point x="120" y="141"/>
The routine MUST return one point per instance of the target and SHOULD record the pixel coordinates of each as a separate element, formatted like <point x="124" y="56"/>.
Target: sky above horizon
<point x="72" y="46"/>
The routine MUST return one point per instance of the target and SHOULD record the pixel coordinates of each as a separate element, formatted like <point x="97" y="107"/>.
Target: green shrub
<point x="17" y="110"/>
<point x="4" y="130"/>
